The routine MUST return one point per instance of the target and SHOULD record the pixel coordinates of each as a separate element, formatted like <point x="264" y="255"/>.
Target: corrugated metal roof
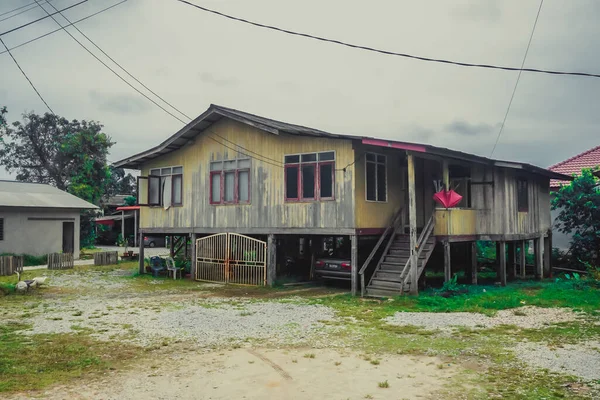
<point x="22" y="194"/>
<point x="574" y="165"/>
<point x="214" y="113"/>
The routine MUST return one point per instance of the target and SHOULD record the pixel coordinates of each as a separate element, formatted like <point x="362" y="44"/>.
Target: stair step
<point x="394" y="276"/>
<point x="386" y="266"/>
<point x="380" y="283"/>
<point x="381" y="292"/>
<point x="393" y="258"/>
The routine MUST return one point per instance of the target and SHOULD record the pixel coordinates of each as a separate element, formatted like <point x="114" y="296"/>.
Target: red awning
<point x="108" y="222"/>
<point x="127" y="208"/>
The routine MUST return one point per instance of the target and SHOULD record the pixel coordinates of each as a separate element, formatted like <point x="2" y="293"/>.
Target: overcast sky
<point x="193" y="59"/>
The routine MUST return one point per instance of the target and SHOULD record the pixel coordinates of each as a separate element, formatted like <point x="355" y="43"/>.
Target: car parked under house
<point x="242" y="185"/>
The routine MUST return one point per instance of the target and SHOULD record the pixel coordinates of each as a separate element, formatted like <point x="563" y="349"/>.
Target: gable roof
<point x="215" y="113"/>
<point x="574" y="165"/>
<point x="39" y="195"/>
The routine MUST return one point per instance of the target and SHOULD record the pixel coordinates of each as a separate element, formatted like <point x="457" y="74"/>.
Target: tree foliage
<point x="71" y="155"/>
<point x="579" y="205"/>
<point x="121" y="183"/>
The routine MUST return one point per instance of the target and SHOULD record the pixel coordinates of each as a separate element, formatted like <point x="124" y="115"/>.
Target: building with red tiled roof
<point x="574" y="165"/>
<point x="571" y="166"/>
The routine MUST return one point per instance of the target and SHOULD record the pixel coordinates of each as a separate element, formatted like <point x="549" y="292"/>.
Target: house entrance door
<point x="231" y="258"/>
<point x="68" y="237"/>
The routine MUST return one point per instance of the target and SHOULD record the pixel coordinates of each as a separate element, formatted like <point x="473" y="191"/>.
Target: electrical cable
<point x="40" y="19"/>
<point x="518" y="78"/>
<point x="387" y="52"/>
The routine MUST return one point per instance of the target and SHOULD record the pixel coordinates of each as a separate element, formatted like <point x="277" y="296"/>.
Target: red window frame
<point x="236" y="187"/>
<point x="317" y="190"/>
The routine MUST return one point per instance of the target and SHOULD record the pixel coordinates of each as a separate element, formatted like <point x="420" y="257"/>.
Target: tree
<point x="70" y="155"/>
<point x="121" y="183"/>
<point x="579" y="205"/>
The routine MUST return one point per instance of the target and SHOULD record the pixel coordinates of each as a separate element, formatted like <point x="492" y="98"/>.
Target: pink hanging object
<point x="447" y="198"/>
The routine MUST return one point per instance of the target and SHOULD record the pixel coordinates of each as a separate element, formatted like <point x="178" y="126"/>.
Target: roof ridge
<point x="574" y="157"/>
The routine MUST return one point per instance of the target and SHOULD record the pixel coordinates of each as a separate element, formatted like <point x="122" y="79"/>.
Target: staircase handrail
<point x="423" y="238"/>
<point x="396" y="219"/>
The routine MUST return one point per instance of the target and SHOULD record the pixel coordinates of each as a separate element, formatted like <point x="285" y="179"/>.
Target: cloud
<point x="464" y="128"/>
<point x="209" y="78"/>
<point x="487" y="10"/>
<point x="120" y="103"/>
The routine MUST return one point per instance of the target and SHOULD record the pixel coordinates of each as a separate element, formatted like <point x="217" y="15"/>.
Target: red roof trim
<point x="127" y="208"/>
<point x="395" y="145"/>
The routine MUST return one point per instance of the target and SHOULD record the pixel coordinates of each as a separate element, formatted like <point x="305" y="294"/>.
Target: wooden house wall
<point x="497" y="203"/>
<point x="268" y="212"/>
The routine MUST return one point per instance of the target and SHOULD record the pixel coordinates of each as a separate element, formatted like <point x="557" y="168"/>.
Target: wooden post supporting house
<point x="194" y="259"/>
<point x="474" y="263"/>
<point x="446" y="174"/>
<point x="523" y="258"/>
<point x="512" y="263"/>
<point x="172" y="246"/>
<point x="548" y="255"/>
<point x="141" y="253"/>
<point x="447" y="262"/>
<point x="271" y="259"/>
<point x="539" y="256"/>
<point x="502" y="263"/>
<point x="412" y="222"/>
<point x="354" y="263"/>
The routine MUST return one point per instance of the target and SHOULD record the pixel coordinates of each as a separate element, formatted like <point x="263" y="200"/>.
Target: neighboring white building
<point x="39" y="219"/>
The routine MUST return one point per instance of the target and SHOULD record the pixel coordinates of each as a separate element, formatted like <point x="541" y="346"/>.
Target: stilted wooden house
<point x="241" y="186"/>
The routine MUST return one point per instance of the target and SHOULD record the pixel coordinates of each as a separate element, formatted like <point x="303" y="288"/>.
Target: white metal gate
<point x="231" y="258"/>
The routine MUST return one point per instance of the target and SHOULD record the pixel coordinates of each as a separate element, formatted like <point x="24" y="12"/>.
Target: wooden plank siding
<point x="268" y="211"/>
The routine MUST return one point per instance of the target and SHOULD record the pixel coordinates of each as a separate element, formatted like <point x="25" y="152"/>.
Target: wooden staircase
<point x="392" y="275"/>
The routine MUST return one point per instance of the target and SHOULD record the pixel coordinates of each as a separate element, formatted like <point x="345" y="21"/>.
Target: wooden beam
<point x="497" y="263"/>
<point x="502" y="268"/>
<point x="548" y="255"/>
<point x="271" y="260"/>
<point x="142" y="268"/>
<point x="523" y="257"/>
<point x="172" y="245"/>
<point x="474" y="263"/>
<point x="539" y="257"/>
<point x="445" y="174"/>
<point x="447" y="262"/>
<point x="412" y="223"/>
<point x="194" y="259"/>
<point x="512" y="264"/>
<point x="354" y="263"/>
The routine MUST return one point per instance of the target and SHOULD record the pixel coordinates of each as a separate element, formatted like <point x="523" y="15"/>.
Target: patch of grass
<point x="368" y="396"/>
<point x="294" y="361"/>
<point x="375" y="362"/>
<point x="384" y="384"/>
<point x="337" y="363"/>
<point x="246" y="313"/>
<point x="309" y="355"/>
<point x="34" y="362"/>
<point x="77" y="313"/>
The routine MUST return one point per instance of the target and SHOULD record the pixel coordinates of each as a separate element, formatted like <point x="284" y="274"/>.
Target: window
<point x="230" y="181"/>
<point x="1" y="229"/>
<point x="376" y="177"/>
<point x="522" y="195"/>
<point x="309" y="176"/>
<point x="165" y="186"/>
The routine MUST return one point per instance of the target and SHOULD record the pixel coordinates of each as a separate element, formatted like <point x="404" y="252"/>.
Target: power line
<point x="60" y="29"/>
<point x="120" y="66"/>
<point x="16" y="9"/>
<point x="40" y="19"/>
<point x="387" y="52"/>
<point x="109" y="68"/>
<point x="518" y="78"/>
<point x="19" y="13"/>
<point x="26" y="77"/>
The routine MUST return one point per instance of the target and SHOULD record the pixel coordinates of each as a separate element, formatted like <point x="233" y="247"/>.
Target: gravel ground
<point x="209" y="322"/>
<point x="581" y="360"/>
<point x="523" y="317"/>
